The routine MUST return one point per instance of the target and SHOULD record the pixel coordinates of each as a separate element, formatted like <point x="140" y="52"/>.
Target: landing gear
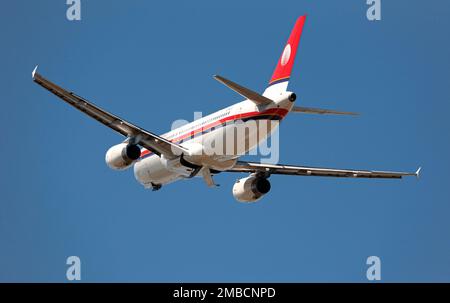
<point x="156" y="187"/>
<point x="195" y="168"/>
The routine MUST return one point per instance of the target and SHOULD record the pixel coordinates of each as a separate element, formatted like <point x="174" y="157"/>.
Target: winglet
<point x="34" y="71"/>
<point x="418" y="172"/>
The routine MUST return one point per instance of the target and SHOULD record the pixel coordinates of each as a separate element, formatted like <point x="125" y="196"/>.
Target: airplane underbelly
<point x="219" y="148"/>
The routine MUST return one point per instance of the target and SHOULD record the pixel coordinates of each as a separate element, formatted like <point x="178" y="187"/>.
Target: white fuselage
<point x="203" y="135"/>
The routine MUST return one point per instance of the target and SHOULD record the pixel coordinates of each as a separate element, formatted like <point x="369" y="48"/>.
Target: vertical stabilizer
<point x="280" y="78"/>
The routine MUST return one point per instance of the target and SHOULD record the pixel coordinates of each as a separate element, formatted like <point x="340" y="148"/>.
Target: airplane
<point x="180" y="153"/>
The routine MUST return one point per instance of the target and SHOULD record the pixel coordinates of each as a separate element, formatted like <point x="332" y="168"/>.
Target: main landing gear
<point x="155" y="187"/>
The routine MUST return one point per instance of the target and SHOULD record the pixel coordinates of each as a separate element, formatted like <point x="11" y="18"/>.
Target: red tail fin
<point x="284" y="66"/>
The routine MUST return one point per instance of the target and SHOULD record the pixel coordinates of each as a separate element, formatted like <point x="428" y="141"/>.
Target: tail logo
<point x="286" y="55"/>
<point x="285" y="62"/>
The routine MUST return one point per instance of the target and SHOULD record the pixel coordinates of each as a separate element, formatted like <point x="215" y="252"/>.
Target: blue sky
<point x="151" y="63"/>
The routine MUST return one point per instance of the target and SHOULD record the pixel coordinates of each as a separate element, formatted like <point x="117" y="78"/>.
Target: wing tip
<point x="417" y="173"/>
<point x="33" y="73"/>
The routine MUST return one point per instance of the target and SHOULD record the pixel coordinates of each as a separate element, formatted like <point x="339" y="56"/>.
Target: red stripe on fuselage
<point x="282" y="112"/>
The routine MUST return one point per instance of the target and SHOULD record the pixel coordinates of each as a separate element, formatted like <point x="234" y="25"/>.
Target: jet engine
<point x="122" y="155"/>
<point x="250" y="189"/>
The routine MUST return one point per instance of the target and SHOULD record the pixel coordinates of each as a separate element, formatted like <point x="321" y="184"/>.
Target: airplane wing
<point x="152" y="142"/>
<point x="252" y="167"/>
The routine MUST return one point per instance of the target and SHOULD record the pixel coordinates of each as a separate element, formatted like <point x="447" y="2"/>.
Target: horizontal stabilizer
<point x="243" y="91"/>
<point x="310" y="110"/>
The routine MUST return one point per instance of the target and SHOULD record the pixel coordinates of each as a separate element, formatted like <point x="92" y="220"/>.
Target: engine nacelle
<point x="122" y="155"/>
<point x="152" y="171"/>
<point x="250" y="189"/>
